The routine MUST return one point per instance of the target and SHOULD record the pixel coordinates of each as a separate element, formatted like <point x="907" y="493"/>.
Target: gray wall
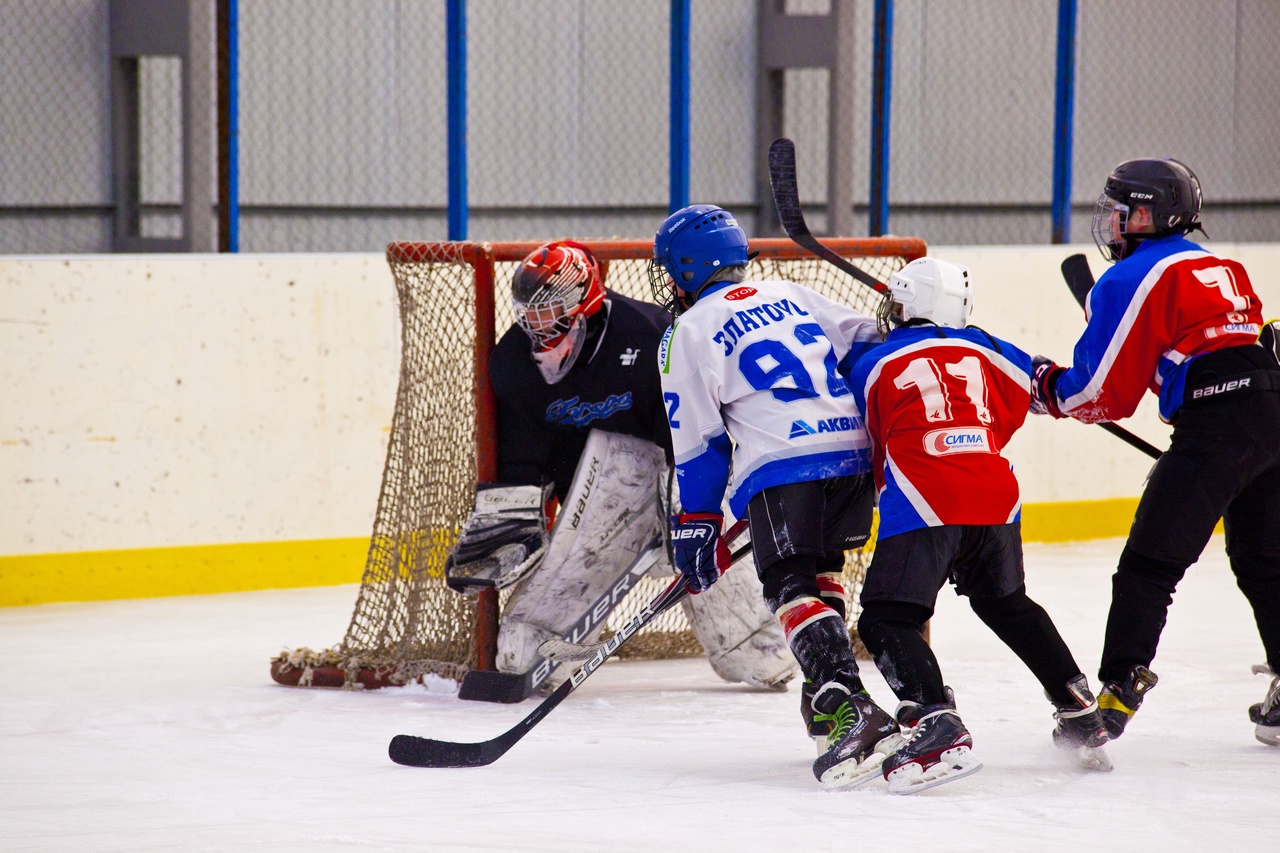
<point x="342" y="111"/>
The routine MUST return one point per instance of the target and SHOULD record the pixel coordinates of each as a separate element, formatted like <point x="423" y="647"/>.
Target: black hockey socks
<point x="893" y="632"/>
<point x="1141" y="591"/>
<point x="1027" y="630"/>
<point x="815" y="630"/>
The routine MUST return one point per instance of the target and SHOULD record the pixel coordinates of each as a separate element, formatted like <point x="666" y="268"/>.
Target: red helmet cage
<point x="555" y="285"/>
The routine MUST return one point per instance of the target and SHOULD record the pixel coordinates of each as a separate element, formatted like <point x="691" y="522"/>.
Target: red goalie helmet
<point x="556" y="288"/>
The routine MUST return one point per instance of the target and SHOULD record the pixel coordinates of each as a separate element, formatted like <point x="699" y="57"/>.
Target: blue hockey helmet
<point x="691" y="246"/>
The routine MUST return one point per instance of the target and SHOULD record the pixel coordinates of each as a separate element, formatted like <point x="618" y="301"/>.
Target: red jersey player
<point x="941" y="400"/>
<point x="1178" y="320"/>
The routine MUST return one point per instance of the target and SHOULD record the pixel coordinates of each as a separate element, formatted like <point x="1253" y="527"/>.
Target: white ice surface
<point x="153" y="725"/>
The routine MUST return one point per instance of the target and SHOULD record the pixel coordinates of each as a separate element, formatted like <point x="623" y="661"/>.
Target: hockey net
<point x="453" y="296"/>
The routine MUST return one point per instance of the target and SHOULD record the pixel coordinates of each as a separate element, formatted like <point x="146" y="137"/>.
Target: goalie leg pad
<point x="609" y="515"/>
<point x="743" y="640"/>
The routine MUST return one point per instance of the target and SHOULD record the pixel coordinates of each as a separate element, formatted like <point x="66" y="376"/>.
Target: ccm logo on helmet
<point x="944" y="442"/>
<point x="741" y="293"/>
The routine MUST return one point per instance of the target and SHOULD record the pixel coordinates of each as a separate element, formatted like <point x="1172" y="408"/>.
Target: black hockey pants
<point x="1223" y="462"/>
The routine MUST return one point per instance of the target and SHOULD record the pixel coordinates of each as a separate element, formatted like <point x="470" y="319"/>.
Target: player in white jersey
<point x="758" y="407"/>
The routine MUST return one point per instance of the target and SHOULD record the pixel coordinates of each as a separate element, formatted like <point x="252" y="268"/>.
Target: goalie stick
<point x="415" y="751"/>
<point x="1079" y="279"/>
<point x="786" y="197"/>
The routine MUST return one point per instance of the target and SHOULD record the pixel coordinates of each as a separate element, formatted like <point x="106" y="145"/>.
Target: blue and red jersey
<point x="940" y="405"/>
<point x="1148" y="316"/>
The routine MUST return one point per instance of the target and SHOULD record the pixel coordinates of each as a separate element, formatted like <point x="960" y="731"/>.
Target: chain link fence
<point x="342" y="118"/>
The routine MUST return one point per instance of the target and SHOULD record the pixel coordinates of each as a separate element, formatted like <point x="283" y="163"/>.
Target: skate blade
<point x="852" y="774"/>
<point x="955" y="764"/>
<point x="889" y="745"/>
<point x="1094" y="758"/>
<point x="1270" y="735"/>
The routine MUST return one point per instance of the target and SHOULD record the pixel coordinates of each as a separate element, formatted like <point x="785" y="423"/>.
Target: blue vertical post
<point x="233" y="126"/>
<point x="456" y="59"/>
<point x="679" y="142"/>
<point x="881" y="113"/>
<point x="1063" y="116"/>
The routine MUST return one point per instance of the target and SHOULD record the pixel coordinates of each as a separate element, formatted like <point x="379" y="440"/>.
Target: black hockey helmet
<point x="1167" y="192"/>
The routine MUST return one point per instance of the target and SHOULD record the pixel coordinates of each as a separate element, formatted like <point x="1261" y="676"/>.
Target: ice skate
<point x="937" y="749"/>
<point x="818" y="729"/>
<point x="1119" y="701"/>
<point x="860" y="735"/>
<point x="1080" y="728"/>
<point x="1266" y="714"/>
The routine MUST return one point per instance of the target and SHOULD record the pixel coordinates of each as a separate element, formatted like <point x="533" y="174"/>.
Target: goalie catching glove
<point x="503" y="539"/>
<point x="700" y="553"/>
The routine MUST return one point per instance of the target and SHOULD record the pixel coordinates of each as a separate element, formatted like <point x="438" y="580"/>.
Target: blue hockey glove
<point x="1044" y="385"/>
<point x="701" y="554"/>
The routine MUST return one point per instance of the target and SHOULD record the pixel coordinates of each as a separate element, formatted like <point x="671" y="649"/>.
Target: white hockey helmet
<point x="930" y="289"/>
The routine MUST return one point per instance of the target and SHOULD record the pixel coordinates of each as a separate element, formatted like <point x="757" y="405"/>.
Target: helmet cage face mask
<point x="554" y="291"/>
<point x="664" y="287"/>
<point x="1110" y="224"/>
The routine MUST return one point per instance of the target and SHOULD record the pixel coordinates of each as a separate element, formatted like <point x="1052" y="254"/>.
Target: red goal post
<point x="453" y="298"/>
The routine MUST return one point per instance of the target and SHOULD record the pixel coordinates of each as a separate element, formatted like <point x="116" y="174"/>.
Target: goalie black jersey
<point x="613" y="386"/>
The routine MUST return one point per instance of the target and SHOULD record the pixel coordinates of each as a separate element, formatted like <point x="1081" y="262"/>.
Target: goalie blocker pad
<point x="502" y="540"/>
<point x="608" y="517"/>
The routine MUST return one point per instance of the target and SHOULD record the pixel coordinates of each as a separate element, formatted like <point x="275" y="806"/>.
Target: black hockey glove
<point x="700" y="552"/>
<point x="1044" y="385"/>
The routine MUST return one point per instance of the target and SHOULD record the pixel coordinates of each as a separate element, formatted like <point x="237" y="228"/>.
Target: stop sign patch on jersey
<point x="944" y="442"/>
<point x="740" y="293"/>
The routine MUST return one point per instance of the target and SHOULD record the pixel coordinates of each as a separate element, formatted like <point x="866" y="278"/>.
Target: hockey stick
<point x="563" y="651"/>
<point x="414" y="751"/>
<point x="786" y="197"/>
<point x="486" y="685"/>
<point x="1079" y="279"/>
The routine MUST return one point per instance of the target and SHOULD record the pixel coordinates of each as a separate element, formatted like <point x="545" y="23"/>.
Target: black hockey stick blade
<point x="1078" y="276"/>
<point x="786" y="197"/>
<point x="415" y="751"/>
<point x="486" y="685"/>
<point x="1079" y="279"/>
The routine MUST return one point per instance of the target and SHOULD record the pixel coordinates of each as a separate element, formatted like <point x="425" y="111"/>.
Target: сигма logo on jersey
<point x="943" y="442"/>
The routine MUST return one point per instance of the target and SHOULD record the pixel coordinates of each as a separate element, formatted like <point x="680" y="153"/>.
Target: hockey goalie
<point x="582" y="424"/>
